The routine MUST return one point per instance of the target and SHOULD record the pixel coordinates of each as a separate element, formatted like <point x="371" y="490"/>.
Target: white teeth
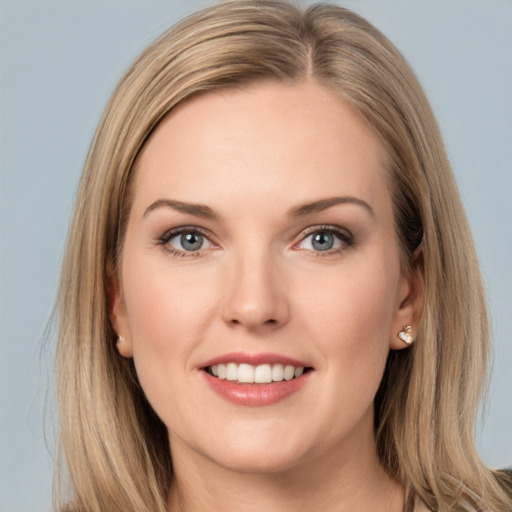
<point x="231" y="371"/>
<point x="277" y="372"/>
<point x="289" y="372"/>
<point x="261" y="374"/>
<point x="245" y="373"/>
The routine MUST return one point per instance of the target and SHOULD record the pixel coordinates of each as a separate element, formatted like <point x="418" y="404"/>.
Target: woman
<point x="270" y="297"/>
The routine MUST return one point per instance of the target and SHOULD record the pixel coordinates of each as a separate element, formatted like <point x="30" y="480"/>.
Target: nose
<point x="255" y="294"/>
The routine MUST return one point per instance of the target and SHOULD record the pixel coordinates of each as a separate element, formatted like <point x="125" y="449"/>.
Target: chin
<point x="255" y="448"/>
<point x="257" y="461"/>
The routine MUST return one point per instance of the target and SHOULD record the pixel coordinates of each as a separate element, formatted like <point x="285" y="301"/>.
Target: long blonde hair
<point x="112" y="444"/>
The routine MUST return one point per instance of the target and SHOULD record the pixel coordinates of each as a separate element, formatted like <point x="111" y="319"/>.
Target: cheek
<point x="167" y="313"/>
<point x="351" y="316"/>
<point x="162" y="302"/>
<point x="360" y="299"/>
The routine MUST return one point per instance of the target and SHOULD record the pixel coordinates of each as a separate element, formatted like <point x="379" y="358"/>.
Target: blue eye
<point x="325" y="239"/>
<point x="191" y="241"/>
<point x="322" y="241"/>
<point x="186" y="240"/>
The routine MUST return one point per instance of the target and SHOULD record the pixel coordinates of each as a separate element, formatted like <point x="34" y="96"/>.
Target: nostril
<point x="269" y="322"/>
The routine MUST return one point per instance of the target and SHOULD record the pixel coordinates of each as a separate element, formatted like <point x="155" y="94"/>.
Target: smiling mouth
<point x="244" y="373"/>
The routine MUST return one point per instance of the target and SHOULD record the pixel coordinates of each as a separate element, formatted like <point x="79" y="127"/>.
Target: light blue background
<point x="59" y="62"/>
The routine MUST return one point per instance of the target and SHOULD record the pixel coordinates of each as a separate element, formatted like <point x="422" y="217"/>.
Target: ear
<point x="409" y="301"/>
<point x="117" y="312"/>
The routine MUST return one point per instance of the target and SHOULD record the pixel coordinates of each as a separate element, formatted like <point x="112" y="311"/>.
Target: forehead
<point x="260" y="141"/>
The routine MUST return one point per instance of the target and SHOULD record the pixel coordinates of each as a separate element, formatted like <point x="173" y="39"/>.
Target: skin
<point x="258" y="285"/>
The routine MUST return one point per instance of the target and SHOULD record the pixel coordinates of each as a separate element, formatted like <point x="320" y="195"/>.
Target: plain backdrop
<point x="59" y="62"/>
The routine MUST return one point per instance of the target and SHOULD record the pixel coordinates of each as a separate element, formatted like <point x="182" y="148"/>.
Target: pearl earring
<point x="406" y="335"/>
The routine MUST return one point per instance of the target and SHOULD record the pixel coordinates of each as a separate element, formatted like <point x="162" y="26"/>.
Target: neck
<point x="347" y="479"/>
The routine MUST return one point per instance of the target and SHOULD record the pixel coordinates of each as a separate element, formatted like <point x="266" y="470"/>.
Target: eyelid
<point x="164" y="239"/>
<point x="344" y="236"/>
<point x="326" y="227"/>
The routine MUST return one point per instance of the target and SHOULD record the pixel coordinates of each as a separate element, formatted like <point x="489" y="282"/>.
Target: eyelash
<point x="343" y="235"/>
<point x="173" y="233"/>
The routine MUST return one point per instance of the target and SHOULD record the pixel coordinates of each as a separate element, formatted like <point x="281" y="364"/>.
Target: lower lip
<point x="255" y="395"/>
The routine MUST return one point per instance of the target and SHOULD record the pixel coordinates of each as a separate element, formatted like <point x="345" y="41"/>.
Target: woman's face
<point x="260" y="246"/>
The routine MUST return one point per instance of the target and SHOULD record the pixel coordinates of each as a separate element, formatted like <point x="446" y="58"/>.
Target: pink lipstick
<point x="255" y="379"/>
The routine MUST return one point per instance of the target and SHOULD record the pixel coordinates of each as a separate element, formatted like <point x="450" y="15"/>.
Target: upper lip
<point x="255" y="360"/>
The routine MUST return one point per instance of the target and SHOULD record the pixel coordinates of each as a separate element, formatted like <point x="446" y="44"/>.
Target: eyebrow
<point x="205" y="212"/>
<point x="324" y="204"/>
<point x="198" y="210"/>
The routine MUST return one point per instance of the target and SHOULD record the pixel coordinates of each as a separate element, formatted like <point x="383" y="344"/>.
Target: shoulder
<point x="504" y="477"/>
